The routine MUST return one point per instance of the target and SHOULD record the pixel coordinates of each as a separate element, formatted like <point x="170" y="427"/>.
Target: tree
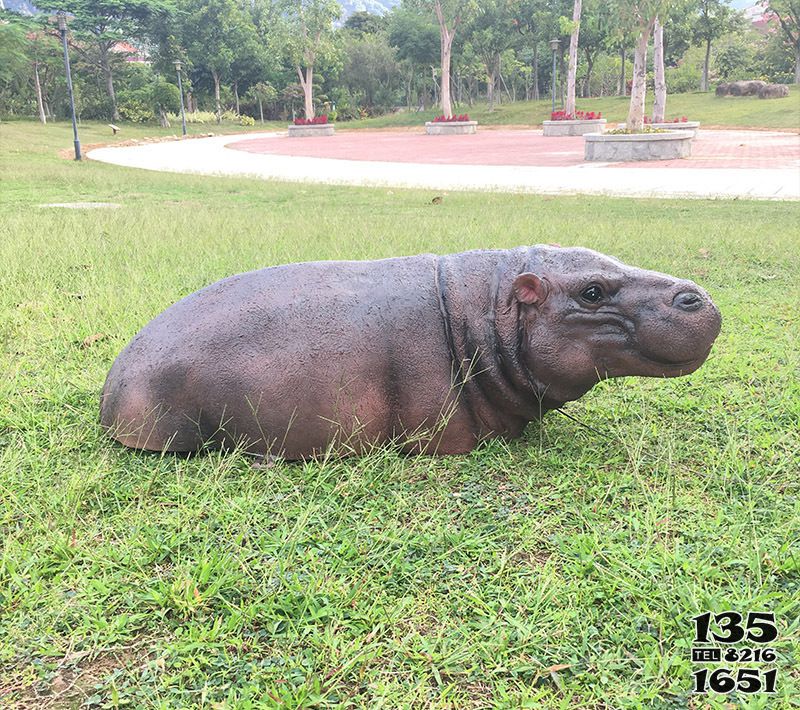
<point x="595" y="37"/>
<point x="489" y="35"/>
<point x="263" y="92"/>
<point x="365" y="23"/>
<point x="371" y="71"/>
<point x="102" y="24"/>
<point x="14" y="51"/>
<point x="639" y="16"/>
<point x="213" y="33"/>
<point x="713" y="19"/>
<point x="450" y="14"/>
<point x="416" y="39"/>
<point x="308" y="39"/>
<point x="572" y="71"/>
<point x="787" y="12"/>
<point x="531" y="19"/>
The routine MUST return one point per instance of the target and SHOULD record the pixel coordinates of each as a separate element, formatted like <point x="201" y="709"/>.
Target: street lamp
<point x="62" y="28"/>
<point x="177" y="64"/>
<point x="554" y="46"/>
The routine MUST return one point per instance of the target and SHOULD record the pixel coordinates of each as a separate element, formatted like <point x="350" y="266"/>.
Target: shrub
<point x="135" y="111"/>
<point x="247" y="120"/>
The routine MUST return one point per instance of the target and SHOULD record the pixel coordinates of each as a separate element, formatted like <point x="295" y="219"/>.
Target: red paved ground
<point x="711" y="149"/>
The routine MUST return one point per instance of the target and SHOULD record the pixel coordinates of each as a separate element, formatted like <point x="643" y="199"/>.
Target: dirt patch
<point x="74" y="678"/>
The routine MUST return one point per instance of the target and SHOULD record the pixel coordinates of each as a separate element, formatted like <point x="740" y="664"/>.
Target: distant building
<point x="137" y="55"/>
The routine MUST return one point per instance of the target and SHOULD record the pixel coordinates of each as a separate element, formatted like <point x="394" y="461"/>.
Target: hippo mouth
<point x="678" y="366"/>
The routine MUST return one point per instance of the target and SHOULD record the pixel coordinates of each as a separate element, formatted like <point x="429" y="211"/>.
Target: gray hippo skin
<point x="433" y="353"/>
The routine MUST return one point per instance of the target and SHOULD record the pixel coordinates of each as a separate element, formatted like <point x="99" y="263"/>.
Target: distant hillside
<point x="376" y="7"/>
<point x="22" y="7"/>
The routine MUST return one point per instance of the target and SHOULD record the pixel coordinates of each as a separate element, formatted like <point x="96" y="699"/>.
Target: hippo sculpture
<point x="430" y="353"/>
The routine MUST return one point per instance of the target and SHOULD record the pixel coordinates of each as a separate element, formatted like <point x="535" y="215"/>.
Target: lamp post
<point x="554" y="46"/>
<point x="62" y="28"/>
<point x="180" y="89"/>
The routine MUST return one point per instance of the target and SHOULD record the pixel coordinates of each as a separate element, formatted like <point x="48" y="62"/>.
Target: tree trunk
<point x="536" y="72"/>
<point x="38" y="85"/>
<point x="706" y="62"/>
<point x="491" y="80"/>
<point x="622" y="89"/>
<point x="215" y="76"/>
<point x="446" y="49"/>
<point x="236" y="95"/>
<point x="307" y="82"/>
<point x="260" y="109"/>
<point x="163" y="120"/>
<point x="444" y="89"/>
<point x="587" y="86"/>
<point x="569" y="106"/>
<point x="660" y="103"/>
<point x="105" y="65"/>
<point x="635" y="120"/>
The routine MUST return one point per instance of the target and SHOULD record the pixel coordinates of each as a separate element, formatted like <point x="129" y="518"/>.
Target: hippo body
<point x="433" y="353"/>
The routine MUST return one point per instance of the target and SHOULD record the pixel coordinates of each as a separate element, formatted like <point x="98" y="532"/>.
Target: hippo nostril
<point x="688" y="301"/>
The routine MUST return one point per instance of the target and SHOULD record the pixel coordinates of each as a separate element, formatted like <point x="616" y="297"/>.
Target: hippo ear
<point x="530" y="289"/>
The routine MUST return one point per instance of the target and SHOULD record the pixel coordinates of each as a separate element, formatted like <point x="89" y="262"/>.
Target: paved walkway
<point x="751" y="164"/>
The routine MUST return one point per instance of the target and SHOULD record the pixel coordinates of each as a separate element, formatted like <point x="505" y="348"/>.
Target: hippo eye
<point x="592" y="293"/>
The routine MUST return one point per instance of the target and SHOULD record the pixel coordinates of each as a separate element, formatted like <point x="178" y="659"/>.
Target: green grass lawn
<point x="557" y="571"/>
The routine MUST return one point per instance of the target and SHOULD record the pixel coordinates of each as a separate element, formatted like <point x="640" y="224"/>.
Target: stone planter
<point x="450" y="128"/>
<point x="573" y="128"/>
<point x="693" y="126"/>
<point x="608" y="147"/>
<point x="319" y="129"/>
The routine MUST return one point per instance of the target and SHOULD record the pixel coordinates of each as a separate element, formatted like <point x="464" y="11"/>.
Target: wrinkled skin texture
<point x="432" y="353"/>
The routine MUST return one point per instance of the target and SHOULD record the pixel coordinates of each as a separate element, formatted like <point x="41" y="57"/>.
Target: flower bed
<point x="654" y="144"/>
<point x="317" y="126"/>
<point x="464" y="117"/>
<point x="451" y="125"/>
<point x="316" y="121"/>
<point x="579" y="123"/>
<point x="577" y="116"/>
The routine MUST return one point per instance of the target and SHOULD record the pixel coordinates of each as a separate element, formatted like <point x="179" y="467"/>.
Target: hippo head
<point x="587" y="317"/>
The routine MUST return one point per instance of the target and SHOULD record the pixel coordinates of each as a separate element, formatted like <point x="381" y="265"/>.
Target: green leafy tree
<point x="416" y="40"/>
<point x="371" y="70"/>
<point x="639" y="17"/>
<point x="595" y="36"/>
<point x="213" y="33"/>
<point x="787" y="13"/>
<point x="712" y="19"/>
<point x="263" y="93"/>
<point x="309" y="40"/>
<point x="100" y="25"/>
<point x="489" y="33"/>
<point x="366" y="23"/>
<point x="450" y="16"/>
<point x="531" y="19"/>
